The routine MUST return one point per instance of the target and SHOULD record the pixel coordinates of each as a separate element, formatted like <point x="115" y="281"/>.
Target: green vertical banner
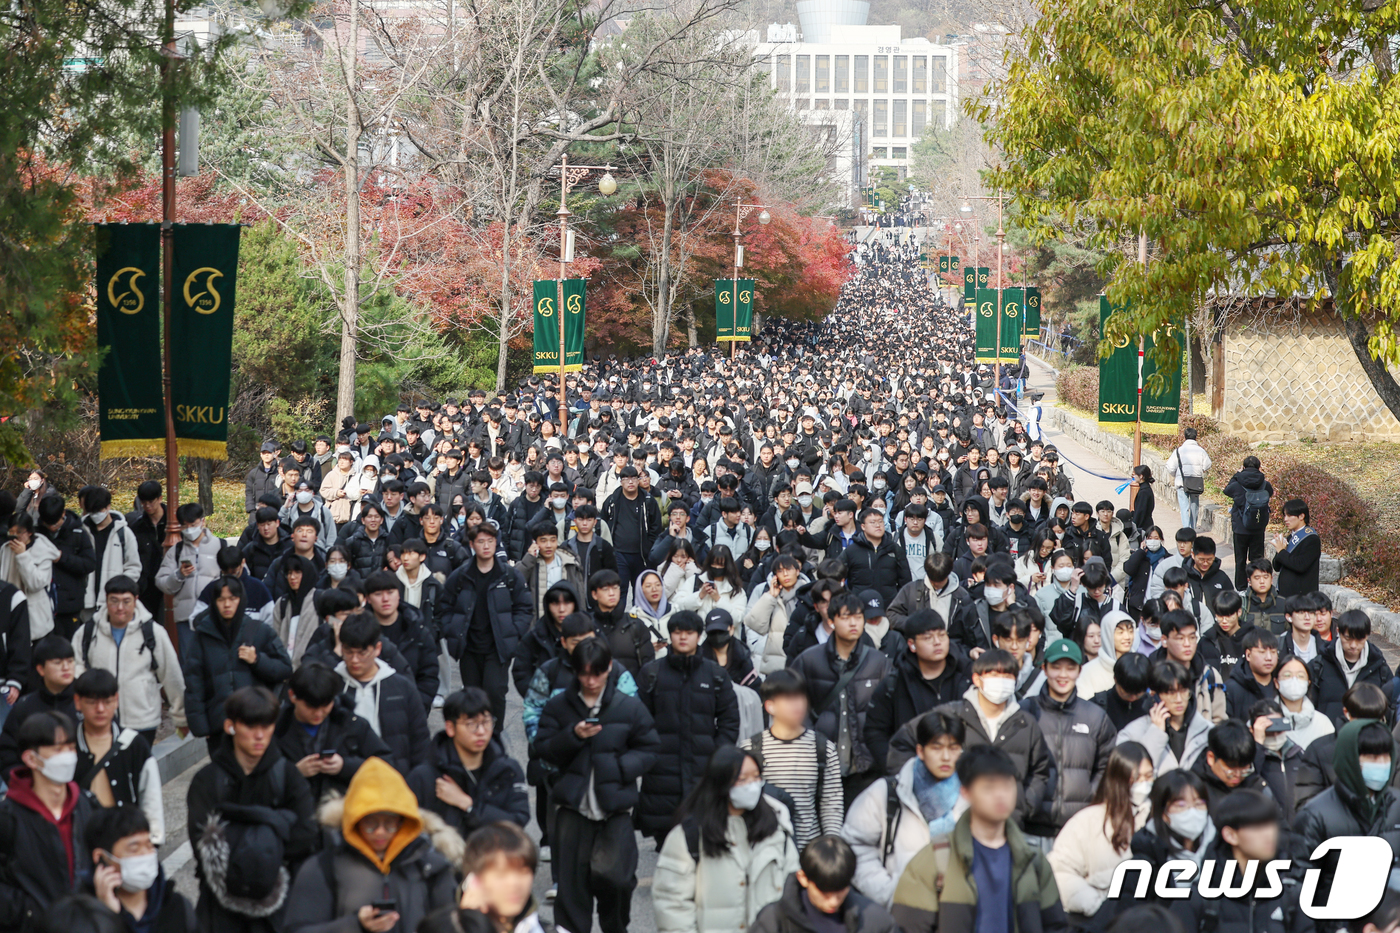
<point x="131" y="402"/>
<point x="1032" y="328"/>
<point x="969" y="283"/>
<point x="944" y="267"/>
<point x="1013" y="313"/>
<point x="984" y="277"/>
<point x="743" y="312"/>
<point x="953" y="264"/>
<point x="575" y="313"/>
<point x="201" y="335"/>
<point x="546" y="326"/>
<point x="1162" y="408"/>
<point x="1117" y="374"/>
<point x="986" y="314"/>
<point x="733" y="310"/>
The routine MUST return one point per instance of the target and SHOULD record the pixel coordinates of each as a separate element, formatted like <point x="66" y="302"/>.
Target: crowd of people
<point x="821" y="621"/>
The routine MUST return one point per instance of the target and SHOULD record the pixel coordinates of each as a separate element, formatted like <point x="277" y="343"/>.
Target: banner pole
<point x="167" y="240"/>
<point x="1137" y="426"/>
<point x="559" y="290"/>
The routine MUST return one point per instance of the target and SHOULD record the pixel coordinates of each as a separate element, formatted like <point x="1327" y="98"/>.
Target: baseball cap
<point x="1063" y="649"/>
<point x="269" y="447"/>
<point x="874" y="605"/>
<point x="718" y="620"/>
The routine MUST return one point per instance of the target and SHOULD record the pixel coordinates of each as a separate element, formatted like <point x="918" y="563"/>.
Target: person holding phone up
<point x="386" y="865"/>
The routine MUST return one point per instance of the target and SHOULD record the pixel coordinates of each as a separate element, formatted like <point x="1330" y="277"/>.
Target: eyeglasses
<point x="1184" y="637"/>
<point x="480" y="724"/>
<point x="1237" y="773"/>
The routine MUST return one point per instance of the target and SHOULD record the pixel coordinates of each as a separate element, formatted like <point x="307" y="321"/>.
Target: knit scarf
<point x="937" y="799"/>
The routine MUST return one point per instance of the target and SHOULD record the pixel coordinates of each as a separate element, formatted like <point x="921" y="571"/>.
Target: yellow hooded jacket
<point x="378" y="788"/>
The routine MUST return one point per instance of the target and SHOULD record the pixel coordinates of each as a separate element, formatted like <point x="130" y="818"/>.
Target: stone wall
<point x="1293" y="374"/>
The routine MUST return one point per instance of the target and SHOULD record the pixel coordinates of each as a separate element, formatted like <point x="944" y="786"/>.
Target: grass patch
<point x="228" y="518"/>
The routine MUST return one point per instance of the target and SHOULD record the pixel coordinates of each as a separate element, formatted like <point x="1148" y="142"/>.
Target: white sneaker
<point x="544" y="853"/>
<point x="437" y="702"/>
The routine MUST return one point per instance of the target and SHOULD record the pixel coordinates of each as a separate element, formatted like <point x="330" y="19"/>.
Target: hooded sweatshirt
<point x="367" y="693"/>
<point x="1097" y="675"/>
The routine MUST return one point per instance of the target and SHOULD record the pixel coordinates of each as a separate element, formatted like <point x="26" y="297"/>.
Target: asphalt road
<point x="176" y="854"/>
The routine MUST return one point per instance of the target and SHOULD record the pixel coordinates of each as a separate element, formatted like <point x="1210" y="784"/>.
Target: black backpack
<point x="148" y="641"/>
<point x="1256" y="509"/>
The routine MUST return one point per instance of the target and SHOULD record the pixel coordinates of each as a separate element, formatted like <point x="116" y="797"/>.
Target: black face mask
<point x="719" y="639"/>
<point x="716" y="573"/>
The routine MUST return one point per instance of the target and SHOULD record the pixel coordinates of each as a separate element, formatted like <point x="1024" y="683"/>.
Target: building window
<point x="901" y="120"/>
<point x="920" y="75"/>
<point x="920" y="117"/>
<point x="882" y="74"/>
<point x="899" y="152"/>
<point x="823" y="79"/>
<point x="882" y="118"/>
<point x="822" y="104"/>
<point x="843" y="74"/>
<point x="940" y="76"/>
<point x="784" y="62"/>
<point x="862" y="74"/>
<point x="802" y="104"/>
<point x="901" y="74"/>
<point x="881" y="152"/>
<point x="938" y="116"/>
<point x="802" y="77"/>
<point x="842" y="104"/>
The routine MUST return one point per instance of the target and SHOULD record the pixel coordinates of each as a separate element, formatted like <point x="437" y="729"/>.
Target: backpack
<point x="255" y="859"/>
<point x="1256" y="509"/>
<point x="148" y="642"/>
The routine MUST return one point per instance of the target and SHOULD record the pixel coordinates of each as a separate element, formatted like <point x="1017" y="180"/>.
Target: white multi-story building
<point x="893" y="88"/>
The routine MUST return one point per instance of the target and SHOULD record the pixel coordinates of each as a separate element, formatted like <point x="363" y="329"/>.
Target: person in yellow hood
<point x="390" y="866"/>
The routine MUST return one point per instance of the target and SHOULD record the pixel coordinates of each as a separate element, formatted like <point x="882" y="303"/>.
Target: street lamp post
<point x="742" y="210"/>
<point x="1001" y="241"/>
<point x="568" y="177"/>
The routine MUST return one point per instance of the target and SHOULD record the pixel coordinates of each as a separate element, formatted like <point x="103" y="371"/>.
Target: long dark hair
<point x="1167" y="788"/>
<point x="720" y="553"/>
<point x="1115" y="792"/>
<point x="708" y="804"/>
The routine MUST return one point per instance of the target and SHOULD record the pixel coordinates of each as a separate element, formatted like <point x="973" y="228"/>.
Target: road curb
<point x="175" y="755"/>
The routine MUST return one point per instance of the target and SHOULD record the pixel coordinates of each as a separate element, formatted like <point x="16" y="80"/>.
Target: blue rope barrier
<point x="1079" y="466"/>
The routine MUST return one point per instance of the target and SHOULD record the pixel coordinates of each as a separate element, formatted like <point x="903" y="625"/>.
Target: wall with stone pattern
<point x="1290" y="376"/>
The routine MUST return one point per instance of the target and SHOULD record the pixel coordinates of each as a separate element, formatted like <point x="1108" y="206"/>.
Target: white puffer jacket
<point x="864" y="829"/>
<point x="769" y="615"/>
<point x="725" y="894"/>
<point x="32" y="572"/>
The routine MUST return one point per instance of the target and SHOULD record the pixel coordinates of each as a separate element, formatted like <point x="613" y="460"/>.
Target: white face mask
<point x="99" y="517"/>
<point x="60" y="767"/>
<point x="1141" y="790"/>
<point x="994" y="594"/>
<point x="193" y="532"/>
<point x="35" y="483"/>
<point x="761" y="545"/>
<point x="337" y="570"/>
<point x="1293" y="689"/>
<point x="1275" y="742"/>
<point x="139" y="872"/>
<point x="879" y="484"/>
<point x="1152" y="544"/>
<point x="805" y="501"/>
<point x="1188" y="824"/>
<point x="793" y="463"/>
<point x="1064" y="574"/>
<point x="1154" y="632"/>
<point x="559" y="502"/>
<point x="746" y="796"/>
<point x="997" y="689"/>
<point x="304" y="496"/>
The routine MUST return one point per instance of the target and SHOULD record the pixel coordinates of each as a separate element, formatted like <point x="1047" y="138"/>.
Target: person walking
<point x="729" y="854"/>
<point x="1250" y="493"/>
<point x="1187" y="468"/>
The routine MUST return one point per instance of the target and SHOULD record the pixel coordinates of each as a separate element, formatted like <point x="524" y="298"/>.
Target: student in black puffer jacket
<point x="470" y="780"/>
<point x="691" y="700"/>
<point x="228" y="652"/>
